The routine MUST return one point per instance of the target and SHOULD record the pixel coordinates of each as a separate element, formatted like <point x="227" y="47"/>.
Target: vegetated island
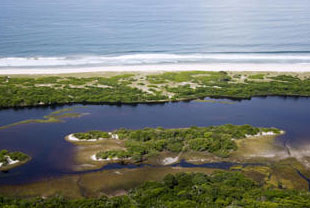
<point x="148" y="87"/>
<point x="9" y="160"/>
<point x="54" y="117"/>
<point x="183" y="190"/>
<point x="144" y="145"/>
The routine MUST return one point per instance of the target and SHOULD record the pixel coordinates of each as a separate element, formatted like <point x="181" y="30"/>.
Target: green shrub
<point x="142" y="143"/>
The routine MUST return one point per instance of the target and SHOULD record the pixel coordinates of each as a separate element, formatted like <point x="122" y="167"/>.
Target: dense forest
<point x="142" y="143"/>
<point x="183" y="190"/>
<point x="135" y="88"/>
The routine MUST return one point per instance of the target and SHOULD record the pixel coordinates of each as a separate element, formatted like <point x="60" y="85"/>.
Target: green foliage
<point x="92" y="135"/>
<point x="113" y="154"/>
<point x="5" y="155"/>
<point x="257" y="76"/>
<point x="286" y="78"/>
<point x="141" y="143"/>
<point x="56" y="90"/>
<point x="16" y="92"/>
<point x="221" y="147"/>
<point x="183" y="190"/>
<point x="218" y="84"/>
<point x="18" y="156"/>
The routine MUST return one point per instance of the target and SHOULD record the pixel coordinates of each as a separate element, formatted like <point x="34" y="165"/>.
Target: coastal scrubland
<point x="144" y="143"/>
<point x="144" y="88"/>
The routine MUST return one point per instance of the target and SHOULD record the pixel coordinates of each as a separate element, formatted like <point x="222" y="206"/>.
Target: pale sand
<point x="267" y="133"/>
<point x="10" y="161"/>
<point x="93" y="157"/>
<point x="172" y="67"/>
<point x="73" y="138"/>
<point x="170" y="160"/>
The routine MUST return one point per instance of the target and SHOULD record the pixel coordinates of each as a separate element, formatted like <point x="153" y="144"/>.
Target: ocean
<point x="95" y="33"/>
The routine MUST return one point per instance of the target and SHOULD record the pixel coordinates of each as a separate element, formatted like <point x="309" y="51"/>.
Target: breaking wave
<point x="148" y="59"/>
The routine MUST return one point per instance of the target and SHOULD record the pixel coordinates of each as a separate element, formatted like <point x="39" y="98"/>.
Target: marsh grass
<point x="54" y="117"/>
<point x="278" y="175"/>
<point x="66" y="186"/>
<point x="84" y="150"/>
<point x="96" y="184"/>
<point x="284" y="175"/>
<point x="200" y="157"/>
<point x="259" y="146"/>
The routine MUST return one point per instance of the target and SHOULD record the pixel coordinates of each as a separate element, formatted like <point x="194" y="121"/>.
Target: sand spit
<point x="10" y="161"/>
<point x="71" y="137"/>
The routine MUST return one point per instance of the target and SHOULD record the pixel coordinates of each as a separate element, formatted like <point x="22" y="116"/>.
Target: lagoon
<point x="52" y="156"/>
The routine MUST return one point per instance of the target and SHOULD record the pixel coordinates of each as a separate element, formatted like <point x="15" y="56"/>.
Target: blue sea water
<point x="77" y="33"/>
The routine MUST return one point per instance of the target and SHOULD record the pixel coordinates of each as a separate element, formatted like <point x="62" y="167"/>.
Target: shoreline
<point x="88" y="152"/>
<point x="152" y="102"/>
<point x="14" y="165"/>
<point x="297" y="68"/>
<point x="72" y="138"/>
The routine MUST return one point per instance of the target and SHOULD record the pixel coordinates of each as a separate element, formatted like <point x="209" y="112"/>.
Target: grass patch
<point x="257" y="76"/>
<point x="54" y="117"/>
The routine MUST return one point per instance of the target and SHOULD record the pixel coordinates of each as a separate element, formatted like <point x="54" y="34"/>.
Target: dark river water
<point x="52" y="155"/>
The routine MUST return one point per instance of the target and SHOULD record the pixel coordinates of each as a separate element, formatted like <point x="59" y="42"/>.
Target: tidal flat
<point x="279" y="175"/>
<point x="95" y="184"/>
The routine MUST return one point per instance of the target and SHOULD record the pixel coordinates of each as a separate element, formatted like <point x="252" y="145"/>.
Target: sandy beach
<point x="171" y="67"/>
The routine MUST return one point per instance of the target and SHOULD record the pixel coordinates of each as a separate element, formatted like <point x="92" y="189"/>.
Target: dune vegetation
<point x="144" y="88"/>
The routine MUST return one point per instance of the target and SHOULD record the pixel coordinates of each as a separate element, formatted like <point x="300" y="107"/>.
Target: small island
<point x="167" y="145"/>
<point x="54" y="117"/>
<point x="9" y="160"/>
